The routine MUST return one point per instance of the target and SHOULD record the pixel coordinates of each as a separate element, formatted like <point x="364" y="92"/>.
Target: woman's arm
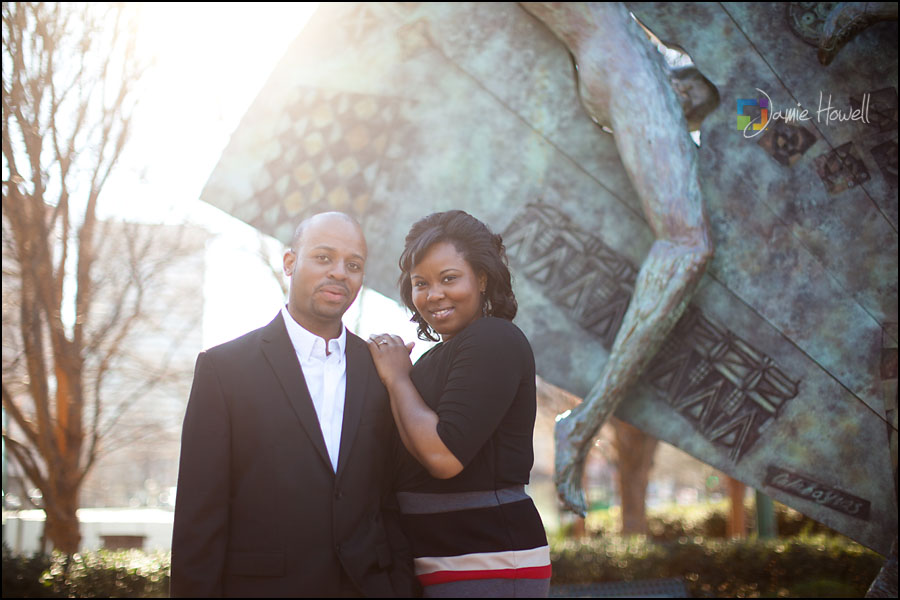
<point x="416" y="423"/>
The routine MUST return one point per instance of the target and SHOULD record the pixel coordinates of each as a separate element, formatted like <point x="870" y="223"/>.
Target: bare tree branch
<point x="25" y="458"/>
<point x="19" y="419"/>
<point x="68" y="80"/>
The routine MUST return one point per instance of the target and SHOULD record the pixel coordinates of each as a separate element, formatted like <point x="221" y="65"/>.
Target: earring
<point x="484" y="305"/>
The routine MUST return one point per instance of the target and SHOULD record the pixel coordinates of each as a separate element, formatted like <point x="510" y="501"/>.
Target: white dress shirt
<point x="326" y="378"/>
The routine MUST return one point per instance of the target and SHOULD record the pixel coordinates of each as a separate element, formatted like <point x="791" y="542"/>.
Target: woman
<point x="465" y="413"/>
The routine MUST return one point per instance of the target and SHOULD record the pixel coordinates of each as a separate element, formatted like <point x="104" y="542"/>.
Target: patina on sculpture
<point x="846" y="20"/>
<point x="662" y="164"/>
<point x="661" y="161"/>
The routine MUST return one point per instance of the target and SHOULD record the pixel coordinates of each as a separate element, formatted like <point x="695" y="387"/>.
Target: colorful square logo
<point x="744" y="120"/>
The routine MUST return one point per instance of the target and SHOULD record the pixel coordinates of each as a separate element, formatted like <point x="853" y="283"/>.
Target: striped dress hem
<point x="501" y="526"/>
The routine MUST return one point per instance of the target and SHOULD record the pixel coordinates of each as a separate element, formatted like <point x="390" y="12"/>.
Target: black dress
<point x="477" y="534"/>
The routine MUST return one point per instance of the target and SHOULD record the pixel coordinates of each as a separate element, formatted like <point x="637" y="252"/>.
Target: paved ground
<point x="646" y="588"/>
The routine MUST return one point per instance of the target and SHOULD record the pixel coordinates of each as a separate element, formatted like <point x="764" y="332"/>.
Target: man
<point x="285" y="456"/>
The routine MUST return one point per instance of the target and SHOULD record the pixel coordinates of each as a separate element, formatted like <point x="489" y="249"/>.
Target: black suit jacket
<point x="259" y="510"/>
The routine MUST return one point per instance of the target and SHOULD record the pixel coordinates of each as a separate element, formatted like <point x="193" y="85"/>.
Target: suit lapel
<point x="357" y="379"/>
<point x="279" y="351"/>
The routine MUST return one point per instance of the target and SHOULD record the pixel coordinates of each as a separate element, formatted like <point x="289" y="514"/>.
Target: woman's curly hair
<point x="480" y="247"/>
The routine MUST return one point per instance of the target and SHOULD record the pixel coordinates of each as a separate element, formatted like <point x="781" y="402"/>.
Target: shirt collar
<point x="308" y="345"/>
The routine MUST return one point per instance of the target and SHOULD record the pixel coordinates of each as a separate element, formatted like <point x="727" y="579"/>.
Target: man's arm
<point x="403" y="578"/>
<point x="200" y="536"/>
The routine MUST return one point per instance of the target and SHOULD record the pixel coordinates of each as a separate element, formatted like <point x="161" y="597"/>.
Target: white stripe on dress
<point x="485" y="561"/>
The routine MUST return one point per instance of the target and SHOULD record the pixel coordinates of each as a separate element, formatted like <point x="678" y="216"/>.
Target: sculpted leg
<point x="624" y="84"/>
<point x="665" y="283"/>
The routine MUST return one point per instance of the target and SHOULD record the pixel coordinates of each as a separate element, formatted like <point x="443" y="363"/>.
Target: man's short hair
<point x="301" y="228"/>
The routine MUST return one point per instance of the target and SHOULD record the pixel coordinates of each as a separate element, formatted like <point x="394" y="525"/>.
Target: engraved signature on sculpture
<point x="809" y="489"/>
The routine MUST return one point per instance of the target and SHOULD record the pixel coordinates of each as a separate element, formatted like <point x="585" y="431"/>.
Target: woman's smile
<point x="441" y="314"/>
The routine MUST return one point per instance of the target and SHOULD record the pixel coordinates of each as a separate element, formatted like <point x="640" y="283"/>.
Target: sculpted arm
<point x="623" y="84"/>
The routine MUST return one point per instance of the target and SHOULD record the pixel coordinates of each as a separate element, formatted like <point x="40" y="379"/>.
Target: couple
<point x="316" y="464"/>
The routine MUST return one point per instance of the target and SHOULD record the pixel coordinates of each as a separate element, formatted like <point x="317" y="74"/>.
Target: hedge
<point x="799" y="567"/>
<point x="99" y="574"/>
<point x="669" y="523"/>
<point x="807" y="565"/>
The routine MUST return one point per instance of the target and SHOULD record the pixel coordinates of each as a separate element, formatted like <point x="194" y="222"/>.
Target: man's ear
<point x="290" y="258"/>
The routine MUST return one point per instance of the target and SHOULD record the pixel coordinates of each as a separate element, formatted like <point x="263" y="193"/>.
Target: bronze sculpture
<point x="780" y="366"/>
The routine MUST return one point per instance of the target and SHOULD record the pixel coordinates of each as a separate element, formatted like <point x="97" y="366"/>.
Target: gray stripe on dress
<point x="416" y="503"/>
<point x="489" y="588"/>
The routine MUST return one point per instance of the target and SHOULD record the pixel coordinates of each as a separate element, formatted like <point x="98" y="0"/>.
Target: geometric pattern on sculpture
<point x="786" y="143"/>
<point x="841" y="169"/>
<point x="358" y="23"/>
<point x="728" y="390"/>
<point x="575" y="268"/>
<point x="885" y="155"/>
<point x="882" y="109"/>
<point x="331" y="145"/>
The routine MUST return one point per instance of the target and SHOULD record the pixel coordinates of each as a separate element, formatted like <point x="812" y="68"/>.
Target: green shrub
<point x="100" y="574"/>
<point x="670" y="523"/>
<point x="823" y="588"/>
<point x="806" y="566"/>
<point x="22" y="576"/>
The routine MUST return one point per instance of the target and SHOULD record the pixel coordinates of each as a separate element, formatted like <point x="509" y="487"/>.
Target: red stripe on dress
<point x="523" y="573"/>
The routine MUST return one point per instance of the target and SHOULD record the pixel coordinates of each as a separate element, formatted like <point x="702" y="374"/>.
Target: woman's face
<point x="445" y="290"/>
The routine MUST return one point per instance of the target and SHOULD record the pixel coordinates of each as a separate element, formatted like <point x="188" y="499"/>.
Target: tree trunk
<point x="737" y="523"/>
<point x="635" y="450"/>
<point x="62" y="525"/>
<point x="70" y="76"/>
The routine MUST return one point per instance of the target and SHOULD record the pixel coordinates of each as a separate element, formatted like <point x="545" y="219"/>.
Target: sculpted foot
<point x="569" y="466"/>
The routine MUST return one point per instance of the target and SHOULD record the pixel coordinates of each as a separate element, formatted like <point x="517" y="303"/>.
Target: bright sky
<point x="211" y="61"/>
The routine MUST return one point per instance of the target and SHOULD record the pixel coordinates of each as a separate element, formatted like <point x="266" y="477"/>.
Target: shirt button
<point x="338" y="495"/>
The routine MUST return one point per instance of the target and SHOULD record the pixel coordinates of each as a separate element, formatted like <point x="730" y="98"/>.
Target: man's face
<point x="326" y="270"/>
